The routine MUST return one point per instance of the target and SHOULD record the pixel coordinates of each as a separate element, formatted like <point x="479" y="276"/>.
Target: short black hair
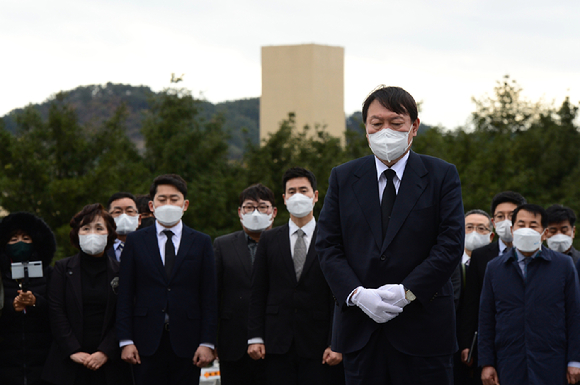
<point x="298" y="172"/>
<point x="395" y="99"/>
<point x="534" y="209"/>
<point x="143" y="203"/>
<point x="171" y="179"/>
<point x="480" y="212"/>
<point x="121" y="195"/>
<point x="507" y="196"/>
<point x="559" y="213"/>
<point x="256" y="192"/>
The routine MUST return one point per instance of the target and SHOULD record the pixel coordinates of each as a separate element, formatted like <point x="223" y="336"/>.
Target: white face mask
<point x="527" y="240"/>
<point x="299" y="205"/>
<point x="475" y="240"/>
<point x="503" y="229"/>
<point x="168" y="215"/>
<point x="560" y="242"/>
<point x="93" y="244"/>
<point x="126" y="223"/>
<point x="389" y="144"/>
<point x="256" y="221"/>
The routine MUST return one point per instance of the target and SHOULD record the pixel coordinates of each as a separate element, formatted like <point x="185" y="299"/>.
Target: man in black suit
<point x="123" y="208"/>
<point x="502" y="206"/>
<point x="561" y="231"/>
<point x="234" y="255"/>
<point x="391" y="232"/>
<point x="167" y="305"/>
<point x="291" y="303"/>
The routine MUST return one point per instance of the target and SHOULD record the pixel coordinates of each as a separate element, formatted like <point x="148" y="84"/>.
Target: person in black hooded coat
<point x="25" y="335"/>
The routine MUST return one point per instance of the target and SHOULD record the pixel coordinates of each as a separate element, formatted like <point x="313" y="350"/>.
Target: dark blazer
<point x="111" y="253"/>
<point x="234" y="285"/>
<point x="66" y="320"/>
<point x="469" y="313"/>
<point x="528" y="327"/>
<point x="188" y="296"/>
<point x="423" y="245"/>
<point x="283" y="310"/>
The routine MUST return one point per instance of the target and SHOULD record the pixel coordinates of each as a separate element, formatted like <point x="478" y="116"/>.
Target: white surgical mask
<point x="559" y="242"/>
<point x="299" y="205"/>
<point x="527" y="240"/>
<point x="475" y="240"/>
<point x="256" y="221"/>
<point x="93" y="244"/>
<point x="168" y="215"/>
<point x="503" y="229"/>
<point x="389" y="144"/>
<point x="126" y="223"/>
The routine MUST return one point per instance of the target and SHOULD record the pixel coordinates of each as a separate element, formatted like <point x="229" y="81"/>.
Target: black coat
<point x="284" y="311"/>
<point x="66" y="320"/>
<point x="25" y="338"/>
<point x="234" y="279"/>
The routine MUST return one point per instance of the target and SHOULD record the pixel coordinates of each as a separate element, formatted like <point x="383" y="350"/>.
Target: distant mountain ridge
<point x="97" y="103"/>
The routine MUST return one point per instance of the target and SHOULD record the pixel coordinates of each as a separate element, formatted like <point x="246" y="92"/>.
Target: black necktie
<point x="169" y="253"/>
<point x="389" y="196"/>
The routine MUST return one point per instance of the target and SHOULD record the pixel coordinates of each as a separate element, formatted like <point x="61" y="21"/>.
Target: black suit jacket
<point x="423" y="245"/>
<point x="283" y="310"/>
<point x="469" y="306"/>
<point x="66" y="320"/>
<point x="234" y="286"/>
<point x="146" y="294"/>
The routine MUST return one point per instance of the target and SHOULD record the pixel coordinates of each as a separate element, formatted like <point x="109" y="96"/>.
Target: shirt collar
<point x="518" y="256"/>
<point x="465" y="257"/>
<point x="117" y="243"/>
<point x="502" y="246"/>
<point x="307" y="228"/>
<point x="176" y="230"/>
<point x="398" y="168"/>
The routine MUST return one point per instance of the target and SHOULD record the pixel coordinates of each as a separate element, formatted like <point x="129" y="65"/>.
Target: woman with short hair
<point x="82" y="300"/>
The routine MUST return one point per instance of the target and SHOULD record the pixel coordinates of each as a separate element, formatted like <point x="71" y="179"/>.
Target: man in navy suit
<point x="391" y="232"/>
<point x="290" y="314"/>
<point x="123" y="208"/>
<point x="167" y="305"/>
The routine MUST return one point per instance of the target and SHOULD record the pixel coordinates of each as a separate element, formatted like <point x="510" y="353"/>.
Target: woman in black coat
<point x="25" y="336"/>
<point x="82" y="299"/>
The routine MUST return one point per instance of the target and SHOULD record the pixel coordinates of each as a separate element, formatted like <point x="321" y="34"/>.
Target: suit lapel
<point x="73" y="272"/>
<point x="283" y="241"/>
<point x="366" y="189"/>
<point x="153" y="245"/>
<point x="412" y="187"/>
<point x="311" y="256"/>
<point x="240" y="245"/>
<point x="184" y="246"/>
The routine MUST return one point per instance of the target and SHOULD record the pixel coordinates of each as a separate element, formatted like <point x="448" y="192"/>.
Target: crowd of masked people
<point x="148" y="300"/>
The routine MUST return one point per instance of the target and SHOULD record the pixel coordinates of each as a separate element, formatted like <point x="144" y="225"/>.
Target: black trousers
<point x="164" y="367"/>
<point x="379" y="363"/>
<point x="244" y="371"/>
<point x="291" y="369"/>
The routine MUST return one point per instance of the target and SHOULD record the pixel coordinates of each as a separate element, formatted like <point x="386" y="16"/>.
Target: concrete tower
<point x="306" y="79"/>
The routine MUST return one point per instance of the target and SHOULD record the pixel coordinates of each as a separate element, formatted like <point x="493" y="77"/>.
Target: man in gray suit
<point x="234" y="255"/>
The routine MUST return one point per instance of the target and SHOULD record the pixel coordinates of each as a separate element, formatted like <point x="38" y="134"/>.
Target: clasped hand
<point x="382" y="304"/>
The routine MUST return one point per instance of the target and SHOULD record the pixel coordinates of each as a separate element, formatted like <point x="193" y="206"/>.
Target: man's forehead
<point x="476" y="218"/>
<point x="122" y="203"/>
<point x="260" y="201"/>
<point x="560" y="224"/>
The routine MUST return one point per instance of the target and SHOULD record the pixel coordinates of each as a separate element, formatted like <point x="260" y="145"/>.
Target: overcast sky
<point x="442" y="52"/>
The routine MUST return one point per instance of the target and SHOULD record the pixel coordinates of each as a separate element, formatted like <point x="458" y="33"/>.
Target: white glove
<point x="394" y="295"/>
<point x="371" y="303"/>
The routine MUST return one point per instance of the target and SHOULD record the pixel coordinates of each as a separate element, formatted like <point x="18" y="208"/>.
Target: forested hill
<point x="95" y="104"/>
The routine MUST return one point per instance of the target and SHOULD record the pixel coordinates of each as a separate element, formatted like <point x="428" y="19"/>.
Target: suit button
<point x="168" y="289"/>
<point x="383" y="257"/>
<point x="295" y="311"/>
<point x="162" y="310"/>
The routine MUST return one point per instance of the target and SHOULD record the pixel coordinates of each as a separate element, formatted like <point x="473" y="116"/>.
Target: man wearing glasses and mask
<point x="502" y="207"/>
<point x="234" y="254"/>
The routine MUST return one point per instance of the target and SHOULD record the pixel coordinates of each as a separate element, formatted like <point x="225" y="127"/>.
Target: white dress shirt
<point x="398" y="168"/>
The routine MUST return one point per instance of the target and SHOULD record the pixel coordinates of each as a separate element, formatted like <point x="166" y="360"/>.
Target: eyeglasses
<point x="499" y="217"/>
<point x="479" y="228"/>
<point x="248" y="209"/>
